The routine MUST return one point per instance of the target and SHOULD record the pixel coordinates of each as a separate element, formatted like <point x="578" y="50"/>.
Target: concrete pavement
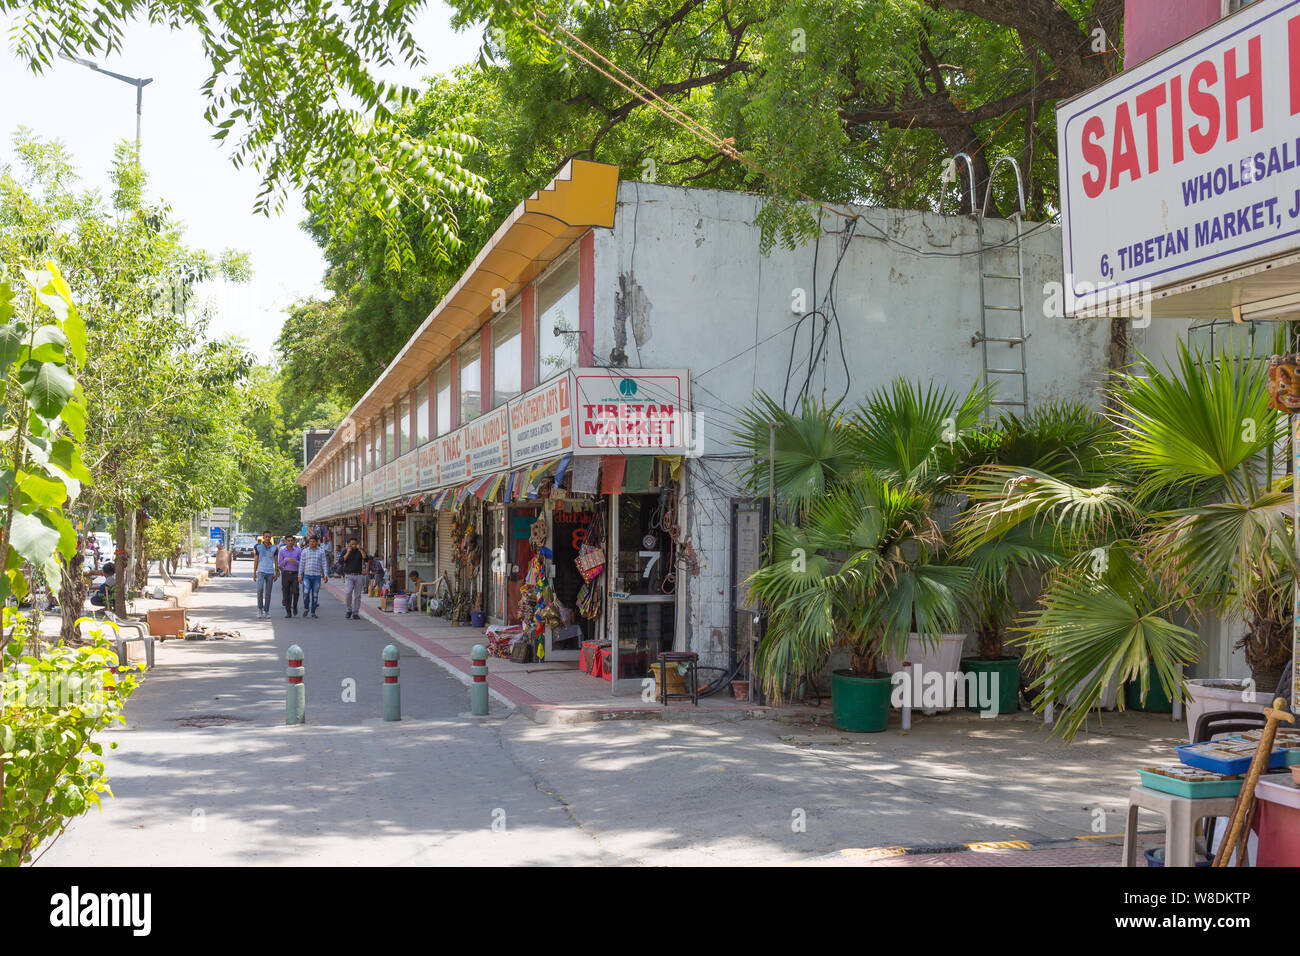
<point x="206" y="773"/>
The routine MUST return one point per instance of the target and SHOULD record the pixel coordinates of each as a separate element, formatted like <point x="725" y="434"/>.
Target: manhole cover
<point x="209" y="720"/>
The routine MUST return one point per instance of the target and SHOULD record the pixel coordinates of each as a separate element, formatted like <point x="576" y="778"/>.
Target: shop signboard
<point x="390" y="480"/>
<point x="368" y="489"/>
<point x="632" y="410"/>
<point x="450" y="461"/>
<point x="487" y="443"/>
<point x="541" y="421"/>
<point x="1183" y="169"/>
<point x="408" y="473"/>
<point x="428" y="465"/>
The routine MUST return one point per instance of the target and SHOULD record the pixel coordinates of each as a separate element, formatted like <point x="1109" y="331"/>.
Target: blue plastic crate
<point x="1193" y="756"/>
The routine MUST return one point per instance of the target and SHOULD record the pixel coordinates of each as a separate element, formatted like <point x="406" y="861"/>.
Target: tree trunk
<point x="139" y="561"/>
<point x="121" y="556"/>
<point x="72" y="597"/>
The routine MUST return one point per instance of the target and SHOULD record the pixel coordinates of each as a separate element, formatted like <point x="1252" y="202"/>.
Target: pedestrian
<point x="376" y="569"/>
<point x="315" y="572"/>
<point x="265" y="572"/>
<point x="353" y="566"/>
<point x="288" y="560"/>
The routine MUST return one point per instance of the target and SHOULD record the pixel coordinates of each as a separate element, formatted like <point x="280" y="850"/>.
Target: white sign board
<point x="632" y="410"/>
<point x="1185" y="166"/>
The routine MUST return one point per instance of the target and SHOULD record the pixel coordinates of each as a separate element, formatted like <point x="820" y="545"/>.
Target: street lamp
<point x="137" y="82"/>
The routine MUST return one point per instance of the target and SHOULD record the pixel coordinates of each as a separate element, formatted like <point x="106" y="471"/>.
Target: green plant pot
<point x="1158" y="701"/>
<point x="1007" y="670"/>
<point x="859" y="704"/>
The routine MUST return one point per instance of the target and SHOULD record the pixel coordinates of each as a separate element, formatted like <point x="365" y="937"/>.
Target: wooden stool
<point x="1181" y="815"/>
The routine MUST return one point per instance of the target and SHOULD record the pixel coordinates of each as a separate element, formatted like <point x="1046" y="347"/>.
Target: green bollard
<point x="392" y="690"/>
<point x="295" y="704"/>
<point x="478" y="688"/>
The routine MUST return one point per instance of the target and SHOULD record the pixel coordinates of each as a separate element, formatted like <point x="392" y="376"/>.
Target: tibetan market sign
<point x="632" y="410"/>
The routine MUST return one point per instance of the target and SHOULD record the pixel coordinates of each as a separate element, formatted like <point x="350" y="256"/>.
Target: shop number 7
<point x="651" y="558"/>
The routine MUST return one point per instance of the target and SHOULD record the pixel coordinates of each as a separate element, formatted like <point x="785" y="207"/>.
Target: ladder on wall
<point x="1007" y="319"/>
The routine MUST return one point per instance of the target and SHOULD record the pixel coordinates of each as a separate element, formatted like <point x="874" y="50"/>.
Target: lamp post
<point x="138" y="82"/>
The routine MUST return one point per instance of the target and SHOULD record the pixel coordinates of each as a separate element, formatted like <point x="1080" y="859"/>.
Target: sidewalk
<point x="548" y="692"/>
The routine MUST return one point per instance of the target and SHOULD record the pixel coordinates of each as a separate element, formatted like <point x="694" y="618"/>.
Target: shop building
<point x="588" y="370"/>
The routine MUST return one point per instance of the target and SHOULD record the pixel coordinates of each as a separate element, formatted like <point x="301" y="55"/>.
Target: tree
<point x="295" y="82"/>
<point x="164" y="427"/>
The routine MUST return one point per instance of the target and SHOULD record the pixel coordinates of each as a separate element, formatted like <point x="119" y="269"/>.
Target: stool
<point x="690" y="660"/>
<point x="1180" y="813"/>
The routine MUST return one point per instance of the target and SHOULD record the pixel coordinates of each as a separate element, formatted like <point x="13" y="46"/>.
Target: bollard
<point x="478" y="688"/>
<point x="392" y="689"/>
<point x="295" y="703"/>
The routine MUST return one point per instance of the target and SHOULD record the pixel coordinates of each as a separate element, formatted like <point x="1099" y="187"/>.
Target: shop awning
<point x="536" y="232"/>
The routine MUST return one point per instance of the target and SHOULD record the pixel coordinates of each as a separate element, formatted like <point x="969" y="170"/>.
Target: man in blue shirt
<point x="264" y="573"/>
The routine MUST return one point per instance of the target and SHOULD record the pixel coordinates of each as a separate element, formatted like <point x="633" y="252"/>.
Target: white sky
<point x="90" y="112"/>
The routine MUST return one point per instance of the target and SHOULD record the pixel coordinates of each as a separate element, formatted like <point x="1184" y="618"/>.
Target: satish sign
<point x="1184" y="167"/>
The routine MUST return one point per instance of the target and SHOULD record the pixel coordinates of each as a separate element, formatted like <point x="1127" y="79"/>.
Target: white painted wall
<point x="680" y="282"/>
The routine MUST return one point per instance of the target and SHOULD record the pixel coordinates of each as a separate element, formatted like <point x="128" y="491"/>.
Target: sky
<point x="91" y="112"/>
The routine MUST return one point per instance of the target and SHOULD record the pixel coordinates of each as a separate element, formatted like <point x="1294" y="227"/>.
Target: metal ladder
<point x="982" y="338"/>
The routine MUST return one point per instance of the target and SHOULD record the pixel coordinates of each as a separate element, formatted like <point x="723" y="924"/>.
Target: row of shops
<point x="591" y="456"/>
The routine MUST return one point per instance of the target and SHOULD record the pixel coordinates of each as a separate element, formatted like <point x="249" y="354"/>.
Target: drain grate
<point x="209" y="720"/>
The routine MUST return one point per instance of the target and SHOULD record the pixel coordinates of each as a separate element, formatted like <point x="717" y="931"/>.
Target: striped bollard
<point x="392" y="689"/>
<point x="478" y="688"/>
<point x="295" y="704"/>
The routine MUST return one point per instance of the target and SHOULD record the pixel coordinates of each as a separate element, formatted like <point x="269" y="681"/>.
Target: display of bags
<point x="591" y="556"/>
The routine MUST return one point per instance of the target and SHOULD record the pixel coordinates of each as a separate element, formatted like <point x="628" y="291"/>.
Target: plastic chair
<point x="121" y="640"/>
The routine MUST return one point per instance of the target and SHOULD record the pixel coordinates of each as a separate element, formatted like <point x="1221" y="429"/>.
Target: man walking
<point x="315" y="571"/>
<point x="290" y="556"/>
<point x="353" y="564"/>
<point x="264" y="573"/>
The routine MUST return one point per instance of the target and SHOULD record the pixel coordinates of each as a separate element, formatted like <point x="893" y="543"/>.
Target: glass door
<point x="641" y="589"/>
<point x="495" y="562"/>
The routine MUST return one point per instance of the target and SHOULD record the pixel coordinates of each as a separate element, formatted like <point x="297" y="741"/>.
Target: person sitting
<point x="415" y="598"/>
<point x="222" y="561"/>
<point x="102" y="594"/>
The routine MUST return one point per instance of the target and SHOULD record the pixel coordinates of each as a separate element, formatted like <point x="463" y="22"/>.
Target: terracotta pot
<point x="740" y="689"/>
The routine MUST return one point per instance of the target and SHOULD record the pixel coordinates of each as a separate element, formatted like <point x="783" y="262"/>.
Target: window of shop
<point x="390" y="437"/>
<point x="557" y="319"/>
<point x="507" y="356"/>
<point x="404" y="426"/>
<point x="442" y="397"/>
<point x="376" y="447"/>
<point x="470" y="362"/>
<point x="422" y="412"/>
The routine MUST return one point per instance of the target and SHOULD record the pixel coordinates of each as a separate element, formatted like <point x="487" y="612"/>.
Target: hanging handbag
<point x="591" y="556"/>
<point x="589" y="600"/>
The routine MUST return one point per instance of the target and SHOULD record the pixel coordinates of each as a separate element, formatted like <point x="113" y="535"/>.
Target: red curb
<point x="515" y="695"/>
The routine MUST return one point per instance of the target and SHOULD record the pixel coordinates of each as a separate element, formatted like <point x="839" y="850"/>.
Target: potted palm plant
<point x="1189" y="520"/>
<point x="864" y="570"/>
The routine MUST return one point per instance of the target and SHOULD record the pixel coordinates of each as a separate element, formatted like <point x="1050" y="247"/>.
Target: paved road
<point x="348" y="788"/>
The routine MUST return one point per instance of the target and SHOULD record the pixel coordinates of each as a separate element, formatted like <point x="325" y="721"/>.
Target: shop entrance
<point x="642" y="586"/>
<point x="518" y="553"/>
<point x="569" y="530"/>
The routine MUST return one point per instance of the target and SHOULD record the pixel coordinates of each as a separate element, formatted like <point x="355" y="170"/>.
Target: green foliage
<point x="40" y="466"/>
<point x="293" y="88"/>
<point x="51" y="706"/>
<point x="160" y="408"/>
<point x="1183" y="517"/>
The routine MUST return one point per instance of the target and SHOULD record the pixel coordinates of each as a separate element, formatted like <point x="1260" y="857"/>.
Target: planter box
<point x="166" y="622"/>
<point x="942" y="655"/>
<point x="1209" y="694"/>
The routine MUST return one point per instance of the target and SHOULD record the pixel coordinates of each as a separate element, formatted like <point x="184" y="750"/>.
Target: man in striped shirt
<point x="315" y="570"/>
